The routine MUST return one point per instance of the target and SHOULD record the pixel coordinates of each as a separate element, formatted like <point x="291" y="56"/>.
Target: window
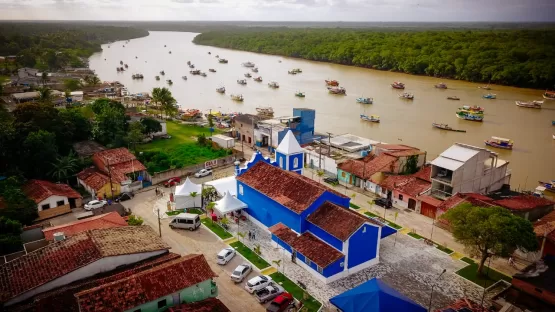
<point x="281" y="162"/>
<point x="343" y="174"/>
<point x="320" y="270"/>
<point x="400" y="197"/>
<point x="307" y="261"/>
<point x="295" y="163"/>
<point x="161" y="304"/>
<point x="342" y="264"/>
<point x="241" y="189"/>
<point x="60" y="203"/>
<point x="364" y="230"/>
<point x="45" y="206"/>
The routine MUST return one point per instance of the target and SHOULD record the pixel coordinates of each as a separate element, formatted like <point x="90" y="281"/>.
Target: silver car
<point x="241" y="272"/>
<point x="257" y="283"/>
<point x="268" y="293"/>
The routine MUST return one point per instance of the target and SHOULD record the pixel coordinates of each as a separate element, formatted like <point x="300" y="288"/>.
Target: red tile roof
<point x="414" y="187"/>
<point x="146" y="286"/>
<point x="460" y="198"/>
<point x="424" y="173"/>
<point x="284" y="233"/>
<point x="405" y="153"/>
<point x="206" y="305"/>
<point x="290" y="189"/>
<point x="366" y="168"/>
<point x="523" y="202"/>
<point x="340" y="222"/>
<point x="316" y="250"/>
<point x="545" y="227"/>
<point x="392" y="181"/>
<point x="460" y="304"/>
<point x="103" y="221"/>
<point x="115" y="156"/>
<point x="93" y="178"/>
<point x="430" y="200"/>
<point x="60" y="258"/>
<point x="39" y="190"/>
<point x="129" y="166"/>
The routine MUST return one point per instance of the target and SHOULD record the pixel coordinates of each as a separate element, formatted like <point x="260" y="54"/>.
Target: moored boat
<point x="241" y="81"/>
<point x="441" y="85"/>
<point x="237" y="97"/>
<point x="549" y="95"/>
<point x="248" y="64"/>
<point x="265" y="110"/>
<point x="332" y="83"/>
<point x="195" y="72"/>
<point x="137" y="76"/>
<point x="220" y="90"/>
<point x="371" y="118"/>
<point x="489" y="96"/>
<point x="203" y="74"/>
<point x="162" y="73"/>
<point x="184" y="77"/>
<point x="121" y="62"/>
<point x="297" y="70"/>
<point x="532" y="104"/>
<point x="273" y="84"/>
<point x="258" y="79"/>
<point x="255" y="70"/>
<point x="126" y="66"/>
<point x="446" y="127"/>
<point x="188" y="62"/>
<point x="157" y="77"/>
<point x="363" y="100"/>
<point x="169" y="81"/>
<point x="337" y="90"/>
<point x="212" y="70"/>
<point x="455" y="98"/>
<point x="498" y="142"/>
<point x="218" y="56"/>
<point x="406" y="95"/>
<point x="398" y="85"/>
<point x="472" y="116"/>
<point x="209" y="52"/>
<point x="473" y="109"/>
<point x="222" y="61"/>
<point x="248" y="75"/>
<point x="192" y="66"/>
<point x="290" y="72"/>
<point x="299" y="94"/>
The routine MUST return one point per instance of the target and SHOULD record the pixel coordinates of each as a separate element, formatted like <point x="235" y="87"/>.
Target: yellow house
<point x="98" y="184"/>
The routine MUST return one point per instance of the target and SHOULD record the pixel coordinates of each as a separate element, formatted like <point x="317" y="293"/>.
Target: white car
<point x="225" y="255"/>
<point x="94" y="204"/>
<point x="203" y="172"/>
<point x="257" y="283"/>
<point x="241" y="272"/>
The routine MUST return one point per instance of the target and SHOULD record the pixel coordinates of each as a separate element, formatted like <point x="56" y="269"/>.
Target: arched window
<point x="295" y="163"/>
<point x="281" y="162"/>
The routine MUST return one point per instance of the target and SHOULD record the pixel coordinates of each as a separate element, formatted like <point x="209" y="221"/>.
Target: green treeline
<point x="55" y="45"/>
<point x="523" y="58"/>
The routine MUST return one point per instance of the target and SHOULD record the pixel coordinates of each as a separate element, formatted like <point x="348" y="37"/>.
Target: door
<point x="428" y="210"/>
<point x="294" y="256"/>
<point x="389" y="195"/>
<point x="412" y="203"/>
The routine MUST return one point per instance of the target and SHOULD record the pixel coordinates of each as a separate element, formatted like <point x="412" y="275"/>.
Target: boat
<point x="398" y="85"/>
<point x="184" y="77"/>
<point x="549" y="95"/>
<point x="371" y="118"/>
<point x="290" y="72"/>
<point x="191" y="113"/>
<point x="255" y="70"/>
<point x="332" y="83"/>
<point x="191" y="66"/>
<point x="188" y="62"/>
<point x="170" y="52"/>
<point x="446" y="127"/>
<point x="169" y="81"/>
<point x="241" y="81"/>
<point x="162" y="73"/>
<point x="248" y="75"/>
<point x="157" y="77"/>
<point x="273" y="84"/>
<point x="258" y="79"/>
<point x="126" y="66"/>
<point x="454" y="98"/>
<point x="137" y="76"/>
<point x="220" y="90"/>
<point x="121" y="62"/>
<point x="473" y="109"/>
<point x="164" y="46"/>
<point x="549" y="185"/>
<point x="441" y="85"/>
<point x="297" y="70"/>
<point x="363" y="100"/>
<point x="195" y="72"/>
<point x="489" y="96"/>
<point x="533" y="104"/>
<point x="248" y="64"/>
<point x="486" y="87"/>
<point x="498" y="142"/>
<point x="203" y="74"/>
<point x="300" y="94"/>
<point x="223" y="61"/>
<point x="467" y="115"/>
<point x="217" y="56"/>
<point x="212" y="70"/>
<point x="209" y="52"/>
<point x="337" y="90"/>
<point x="553" y="122"/>
<point x="238" y="97"/>
<point x="406" y="95"/>
<point x="265" y="110"/>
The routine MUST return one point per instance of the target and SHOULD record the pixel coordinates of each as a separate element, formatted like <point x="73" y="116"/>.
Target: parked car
<point x="241" y="272"/>
<point x="203" y="173"/>
<point x="383" y="202"/>
<point x="124" y="197"/>
<point x="94" y="204"/>
<point x="225" y="255"/>
<point x="281" y="303"/>
<point x="331" y="180"/>
<point x="268" y="293"/>
<point x="257" y="283"/>
<point x="172" y="181"/>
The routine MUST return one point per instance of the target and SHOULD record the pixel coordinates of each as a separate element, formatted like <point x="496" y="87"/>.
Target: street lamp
<point x="432" y="293"/>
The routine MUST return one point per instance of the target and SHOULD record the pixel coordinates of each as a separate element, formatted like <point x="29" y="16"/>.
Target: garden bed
<point x="311" y="304"/>
<point x="250" y="255"/>
<point x="470" y="272"/>
<point x="195" y="211"/>
<point x="354" y="206"/>
<point x="414" y="235"/>
<point x="444" y="249"/>
<point x="371" y="215"/>
<point x="216" y="228"/>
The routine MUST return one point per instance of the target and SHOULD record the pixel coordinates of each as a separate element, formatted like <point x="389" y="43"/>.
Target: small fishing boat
<point x="441" y="85"/>
<point x="265" y="110"/>
<point x="297" y="70"/>
<point x="467" y="115"/>
<point x="157" y="77"/>
<point x="299" y="94"/>
<point x="273" y="85"/>
<point x="203" y="74"/>
<point x="238" y="97"/>
<point x="169" y="81"/>
<point x="121" y="62"/>
<point x="136" y="57"/>
<point x="220" y="90"/>
<point x="137" y="76"/>
<point x="489" y="96"/>
<point x="553" y="122"/>
<point x="162" y="73"/>
<point x="209" y="52"/>
<point x="170" y="52"/>
<point x="223" y="61"/>
<point x="241" y="81"/>
<point x="188" y="62"/>
<point x="446" y="127"/>
<point x="398" y="85"/>
<point x="248" y="75"/>
<point x="406" y="95"/>
<point x="332" y="83"/>
<point x="258" y="79"/>
<point x="126" y="66"/>
<point x="371" y="118"/>
<point x="498" y="142"/>
<point x="248" y="64"/>
<point x="164" y="46"/>
<point x="290" y="72"/>
<point x="454" y="98"/>
<point x="549" y="95"/>
<point x="191" y="113"/>
<point x="486" y="87"/>
<point x="184" y="77"/>
<point x="118" y="69"/>
<point x="337" y="90"/>
<point x="194" y="72"/>
<point x="212" y="70"/>
<point x="217" y="56"/>
<point x="473" y="109"/>
<point x="533" y="104"/>
<point x="191" y="66"/>
<point x="363" y="100"/>
<point x="255" y="70"/>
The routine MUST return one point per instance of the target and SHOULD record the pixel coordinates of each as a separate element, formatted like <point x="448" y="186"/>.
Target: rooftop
<point x="316" y="250"/>
<point x="206" y="305"/>
<point x="87" y="148"/>
<point x="338" y="221"/>
<point x="414" y="187"/>
<point x="284" y="233"/>
<point x="393" y="181"/>
<point x="350" y="142"/>
<point x="247" y="119"/>
<point x="39" y="190"/>
<point x="93" y="178"/>
<point x="103" y="221"/>
<point x="368" y="166"/>
<point x="523" y="202"/>
<point x="546" y="227"/>
<point x="540" y="274"/>
<point x="289" y="145"/>
<point x="115" y="156"/>
<point x="460" y="152"/>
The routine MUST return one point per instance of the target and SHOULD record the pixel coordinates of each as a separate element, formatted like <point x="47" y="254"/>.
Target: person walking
<point x="250" y="235"/>
<point x="253" y="238"/>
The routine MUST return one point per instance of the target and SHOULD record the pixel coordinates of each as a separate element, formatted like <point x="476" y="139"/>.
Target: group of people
<point x="251" y="236"/>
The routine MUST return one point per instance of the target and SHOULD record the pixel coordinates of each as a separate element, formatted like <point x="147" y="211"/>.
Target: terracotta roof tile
<point x="430" y="200"/>
<point x="146" y="286"/>
<point x="103" y="221"/>
<point x="206" y="305"/>
<point x="39" y="190"/>
<point x="407" y="152"/>
<point x="115" y="156"/>
<point x="393" y="181"/>
<point x="290" y="189"/>
<point x="394" y="147"/>
<point x="546" y="227"/>
<point x="316" y="250"/>
<point x="366" y="168"/>
<point x="459" y="198"/>
<point x="523" y="202"/>
<point x="284" y="233"/>
<point x="93" y="178"/>
<point x="424" y="173"/>
<point x="129" y="166"/>
<point x="338" y="221"/>
<point x="414" y="187"/>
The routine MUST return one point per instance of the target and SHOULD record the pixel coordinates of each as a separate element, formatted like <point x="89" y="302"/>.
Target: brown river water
<point x="402" y="121"/>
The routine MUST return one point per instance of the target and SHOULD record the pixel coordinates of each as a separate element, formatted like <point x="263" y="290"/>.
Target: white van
<point x="188" y="221"/>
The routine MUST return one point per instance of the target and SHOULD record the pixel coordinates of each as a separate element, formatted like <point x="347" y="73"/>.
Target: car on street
<point x="203" y="172"/>
<point x="331" y="180"/>
<point x="124" y="197"/>
<point x="383" y="202"/>
<point x="241" y="272"/>
<point x="94" y="204"/>
<point x="281" y="303"/>
<point x="225" y="255"/>
<point x="172" y="181"/>
<point x="257" y="283"/>
<point x="268" y="293"/>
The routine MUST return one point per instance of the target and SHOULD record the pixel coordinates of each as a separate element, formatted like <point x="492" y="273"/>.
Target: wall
<point x="545" y="295"/>
<point x="404" y="203"/>
<point x="363" y="245"/>
<point x="52" y="212"/>
<point x="281" y="160"/>
<point x="315" y="161"/>
<point x="52" y="201"/>
<point x="161" y="132"/>
<point x="299" y="167"/>
<point x="248" y="131"/>
<point x="325" y="236"/>
<point x="31" y="234"/>
<point x="402" y="160"/>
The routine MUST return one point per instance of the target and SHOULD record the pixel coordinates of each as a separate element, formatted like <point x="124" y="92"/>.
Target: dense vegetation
<point x="524" y="58"/>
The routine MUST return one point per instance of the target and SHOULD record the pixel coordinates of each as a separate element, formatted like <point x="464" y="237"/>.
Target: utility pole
<point x="159" y="224"/>
<point x="110" y="176"/>
<point x="432" y="293"/>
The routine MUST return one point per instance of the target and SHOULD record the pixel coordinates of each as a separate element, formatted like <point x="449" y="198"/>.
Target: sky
<point x="282" y="10"/>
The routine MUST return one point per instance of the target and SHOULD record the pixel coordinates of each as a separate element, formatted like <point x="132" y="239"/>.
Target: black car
<point x="331" y="180"/>
<point x="383" y="202"/>
<point x="124" y="197"/>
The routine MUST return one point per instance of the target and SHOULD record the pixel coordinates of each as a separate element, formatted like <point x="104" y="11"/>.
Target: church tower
<point x="289" y="154"/>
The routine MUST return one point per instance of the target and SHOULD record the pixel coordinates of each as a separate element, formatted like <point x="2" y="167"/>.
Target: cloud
<point x="209" y="1"/>
<point x="183" y="1"/>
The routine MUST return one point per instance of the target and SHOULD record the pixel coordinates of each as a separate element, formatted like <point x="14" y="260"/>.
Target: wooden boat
<point x="170" y="52"/>
<point x="137" y="76"/>
<point x="248" y="64"/>
<point x="222" y="61"/>
<point x="363" y="100"/>
<point x="398" y="85"/>
<point x="553" y="122"/>
<point x="467" y="115"/>
<point x="371" y="118"/>
<point x="446" y="127"/>
<point x="248" y="75"/>
<point x="441" y="85"/>
<point x="220" y="90"/>
<point x="212" y="70"/>
<point x="162" y="73"/>
<point x="191" y="113"/>
<point x="533" y="104"/>
<point x="238" y="97"/>
<point x="406" y="95"/>
<point x="157" y="77"/>
<point x="126" y="66"/>
<point x="332" y="83"/>
<point x="486" y="87"/>
<point x="549" y="185"/>
<point x="454" y="98"/>
<point x="298" y="70"/>
<point x="549" y="95"/>
<point x="218" y="56"/>
<point x="188" y="62"/>
<point x="169" y="81"/>
<point x="473" y="109"/>
<point x="209" y="53"/>
<point x="184" y="77"/>
<point x="195" y="72"/>
<point x="164" y="46"/>
<point x="258" y="79"/>
<point x="265" y="110"/>
<point x="191" y="66"/>
<point x="121" y="62"/>
<point x="337" y="90"/>
<point x="241" y="81"/>
<point x="255" y="70"/>
<point x="300" y="94"/>
<point x="489" y="96"/>
<point x="273" y="85"/>
<point x="498" y="142"/>
<point x="291" y="72"/>
<point x="203" y="74"/>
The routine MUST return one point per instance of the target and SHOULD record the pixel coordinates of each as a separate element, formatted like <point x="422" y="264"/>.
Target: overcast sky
<point x="281" y="10"/>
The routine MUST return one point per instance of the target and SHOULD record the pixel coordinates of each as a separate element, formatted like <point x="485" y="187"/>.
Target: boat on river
<point x="489" y="96"/>
<point x="237" y="97"/>
<point x="218" y="56"/>
<point x="121" y="62"/>
<point x="371" y="118"/>
<point x="532" y="104"/>
<point x="255" y="70"/>
<point x="203" y="74"/>
<point x="398" y="85"/>
<point x="162" y="73"/>
<point x="170" y="52"/>
<point x="212" y="70"/>
<point x="291" y="72"/>
<point x="273" y="85"/>
<point x="299" y="94"/>
<point x="248" y="64"/>
<point x="473" y="109"/>
<point x="258" y="79"/>
<point x="188" y="62"/>
<point x="157" y="77"/>
<point x="220" y="90"/>
<point x="468" y="115"/>
<point x="553" y="122"/>
<point x="126" y="66"/>
<point x="195" y="72"/>
<point x="332" y="83"/>
<point x="222" y="61"/>
<point x="337" y="90"/>
<point x="192" y="66"/>
<point x="441" y="85"/>
<point x="406" y="95"/>
<point x="191" y="113"/>
<point x="549" y="95"/>
<point x="363" y="100"/>
<point x="209" y="52"/>
<point x="120" y="69"/>
<point x="169" y="81"/>
<point x="241" y="81"/>
<point x="248" y="75"/>
<point x="184" y="77"/>
<point x="265" y="110"/>
<point x="446" y="127"/>
<point x="454" y="98"/>
<point x="486" y="87"/>
<point x="137" y="76"/>
<point x="498" y="142"/>
<point x="297" y="70"/>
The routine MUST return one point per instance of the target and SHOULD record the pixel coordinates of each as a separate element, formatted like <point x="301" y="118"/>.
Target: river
<point x="402" y="121"/>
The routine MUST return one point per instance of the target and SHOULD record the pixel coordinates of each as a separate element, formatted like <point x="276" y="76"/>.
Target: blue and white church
<point x="310" y="221"/>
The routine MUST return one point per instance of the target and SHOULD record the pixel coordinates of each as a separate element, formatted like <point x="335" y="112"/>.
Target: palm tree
<point x="240" y="235"/>
<point x="94" y="80"/>
<point x="277" y="263"/>
<point x="44" y="78"/>
<point x="320" y="173"/>
<point x="64" y="167"/>
<point x="193" y="196"/>
<point x="257" y="249"/>
<point x="45" y="95"/>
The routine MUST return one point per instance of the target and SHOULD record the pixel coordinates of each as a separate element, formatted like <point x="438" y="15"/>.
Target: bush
<point x="135" y="220"/>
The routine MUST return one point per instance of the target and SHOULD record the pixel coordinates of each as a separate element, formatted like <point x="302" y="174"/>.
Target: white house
<point x="52" y="199"/>
<point x="77" y="96"/>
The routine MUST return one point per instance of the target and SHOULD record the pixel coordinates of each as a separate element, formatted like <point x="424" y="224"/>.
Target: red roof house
<point x="103" y="221"/>
<point x="52" y="199"/>
<point x="545" y="231"/>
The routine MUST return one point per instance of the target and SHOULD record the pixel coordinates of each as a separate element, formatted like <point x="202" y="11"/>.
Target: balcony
<point x="446" y="178"/>
<point x="439" y="194"/>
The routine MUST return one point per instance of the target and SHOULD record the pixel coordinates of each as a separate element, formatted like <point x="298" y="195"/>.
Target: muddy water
<point x="402" y="121"/>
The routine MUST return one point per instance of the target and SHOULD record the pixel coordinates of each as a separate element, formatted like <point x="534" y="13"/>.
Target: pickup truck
<point x="281" y="303"/>
<point x="268" y="293"/>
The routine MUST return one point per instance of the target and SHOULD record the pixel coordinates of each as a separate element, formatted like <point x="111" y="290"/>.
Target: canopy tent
<point x="224" y="185"/>
<point x="374" y="295"/>
<point x="228" y="204"/>
<point x="183" y="198"/>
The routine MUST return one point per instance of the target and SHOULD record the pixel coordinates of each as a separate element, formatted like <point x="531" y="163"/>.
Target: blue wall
<point x="281" y="243"/>
<point x="334" y="268"/>
<point x="325" y="236"/>
<point x="326" y="196"/>
<point x="305" y="129"/>
<point x="363" y="246"/>
<point x="279" y="157"/>
<point x="300" y="162"/>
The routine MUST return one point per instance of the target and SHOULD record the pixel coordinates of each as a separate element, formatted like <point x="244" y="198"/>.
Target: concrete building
<point x="121" y="167"/>
<point x="245" y="126"/>
<point x="52" y="199"/>
<point x="468" y="169"/>
<point x="269" y="133"/>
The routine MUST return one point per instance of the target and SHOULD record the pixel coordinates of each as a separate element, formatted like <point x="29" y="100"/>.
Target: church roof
<point x="289" y="145"/>
<point x="340" y="222"/>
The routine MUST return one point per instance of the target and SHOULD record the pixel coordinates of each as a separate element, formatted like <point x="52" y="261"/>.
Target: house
<point x="103" y="221"/>
<point x="269" y="133"/>
<point x="545" y="231"/>
<point x="245" y="125"/>
<point x="308" y="220"/>
<point x="76" y="96"/>
<point x="464" y="168"/>
<point x="87" y="148"/>
<point x="52" y="199"/>
<point x="206" y="305"/>
<point x="404" y="191"/>
<point x="76" y="258"/>
<point x="97" y="183"/>
<point x="139" y="116"/>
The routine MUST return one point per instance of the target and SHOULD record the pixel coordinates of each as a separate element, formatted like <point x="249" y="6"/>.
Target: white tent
<point x="224" y="185"/>
<point x="229" y="204"/>
<point x="183" y="198"/>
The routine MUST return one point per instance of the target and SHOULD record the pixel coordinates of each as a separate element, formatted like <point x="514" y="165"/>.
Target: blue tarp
<point x="375" y="296"/>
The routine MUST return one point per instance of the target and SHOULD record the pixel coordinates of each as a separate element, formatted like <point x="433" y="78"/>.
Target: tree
<point x="257" y="249"/>
<point x="44" y="78"/>
<point x="135" y="220"/>
<point x="10" y="241"/>
<point x="193" y="196"/>
<point x="490" y="231"/>
<point x="202" y="140"/>
<point x="109" y="123"/>
<point x="92" y="80"/>
<point x="277" y="263"/>
<point x="320" y="174"/>
<point x="18" y="206"/>
<point x="135" y="134"/>
<point x="240" y="235"/>
<point x="72" y="84"/>
<point x="151" y="125"/>
<point x="39" y="152"/>
<point x="64" y="167"/>
<point x="45" y="95"/>
<point x="163" y="98"/>
<point x="76" y="127"/>
<point x="210" y="121"/>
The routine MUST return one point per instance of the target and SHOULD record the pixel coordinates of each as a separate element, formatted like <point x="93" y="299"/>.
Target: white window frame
<point x="241" y="189"/>
<point x="295" y="163"/>
<point x="320" y="269"/>
<point x="307" y="261"/>
<point x="281" y="163"/>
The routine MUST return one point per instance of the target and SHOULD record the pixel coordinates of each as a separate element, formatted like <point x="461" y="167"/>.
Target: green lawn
<point x="217" y="229"/>
<point x="444" y="249"/>
<point x="173" y="213"/>
<point x="467" y="260"/>
<point x="491" y="276"/>
<point x="354" y="206"/>
<point x="394" y="225"/>
<point x="371" y="215"/>
<point x="415" y="235"/>
<point x="311" y="304"/>
<point x="250" y="255"/>
<point x="195" y="211"/>
<point x="179" y="134"/>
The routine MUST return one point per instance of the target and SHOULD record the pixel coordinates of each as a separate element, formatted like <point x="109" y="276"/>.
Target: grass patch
<point x="371" y="215"/>
<point x="250" y="255"/>
<point x="467" y="260"/>
<point x="311" y="304"/>
<point x="470" y="273"/>
<point x="444" y="249"/>
<point x="174" y="213"/>
<point x="414" y="235"/>
<point x="394" y="225"/>
<point x="354" y="206"/>
<point x="217" y="229"/>
<point x="180" y="134"/>
<point x="195" y="211"/>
